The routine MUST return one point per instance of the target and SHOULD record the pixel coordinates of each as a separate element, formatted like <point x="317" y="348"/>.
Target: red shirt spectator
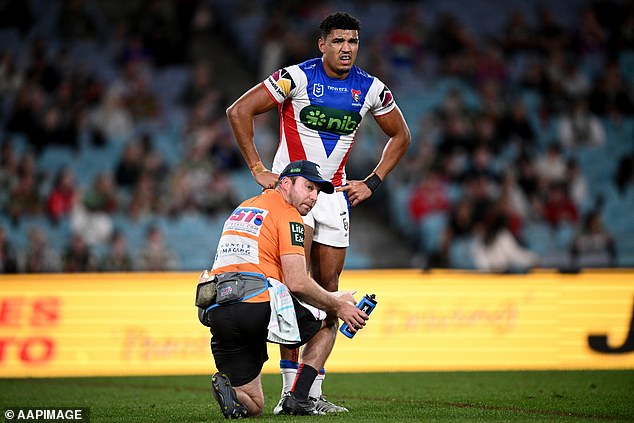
<point x="62" y="197"/>
<point x="428" y="197"/>
<point x="559" y="206"/>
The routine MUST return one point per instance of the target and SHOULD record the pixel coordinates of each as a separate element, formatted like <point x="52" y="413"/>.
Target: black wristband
<point x="373" y="182"/>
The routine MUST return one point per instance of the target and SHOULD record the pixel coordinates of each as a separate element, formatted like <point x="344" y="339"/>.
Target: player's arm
<point x="394" y="125"/>
<point x="241" y="115"/>
<point x="339" y="303"/>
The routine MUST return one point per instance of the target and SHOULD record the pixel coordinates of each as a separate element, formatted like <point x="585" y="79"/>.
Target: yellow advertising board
<point x="146" y="323"/>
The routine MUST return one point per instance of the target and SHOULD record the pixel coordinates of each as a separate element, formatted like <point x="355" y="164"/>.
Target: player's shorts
<point x="330" y="219"/>
<point x="239" y="332"/>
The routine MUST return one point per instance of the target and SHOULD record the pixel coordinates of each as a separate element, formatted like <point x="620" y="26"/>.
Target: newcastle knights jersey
<point x="319" y="115"/>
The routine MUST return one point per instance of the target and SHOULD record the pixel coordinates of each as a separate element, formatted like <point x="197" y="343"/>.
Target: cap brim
<point x="324" y="186"/>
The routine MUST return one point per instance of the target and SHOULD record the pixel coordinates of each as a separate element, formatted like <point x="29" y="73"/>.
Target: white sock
<point x="288" y="377"/>
<point x="315" y="388"/>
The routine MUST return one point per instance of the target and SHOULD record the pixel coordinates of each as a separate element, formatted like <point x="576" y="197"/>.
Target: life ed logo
<point x="297" y="234"/>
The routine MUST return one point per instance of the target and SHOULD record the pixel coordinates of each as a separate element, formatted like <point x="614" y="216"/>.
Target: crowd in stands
<point x="116" y="154"/>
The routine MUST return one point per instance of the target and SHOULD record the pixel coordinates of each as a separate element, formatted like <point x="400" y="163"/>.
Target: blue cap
<point x="310" y="171"/>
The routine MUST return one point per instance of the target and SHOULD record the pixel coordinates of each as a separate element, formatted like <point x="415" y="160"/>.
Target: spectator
<point x="624" y="174"/>
<point x="559" y="208"/>
<point x="111" y="119"/>
<point x="102" y="194"/>
<point x="25" y="198"/>
<point x="129" y="166"/>
<point x="580" y="127"/>
<point x="146" y="199"/>
<point x="39" y="257"/>
<point x="8" y="258"/>
<point x="77" y="256"/>
<point x="515" y="196"/>
<point x="460" y="226"/>
<point x="497" y="250"/>
<point x="61" y="199"/>
<point x="517" y="35"/>
<point x="549" y="33"/>
<point x="11" y="77"/>
<point x="117" y="258"/>
<point x="515" y="127"/>
<point x="551" y="166"/>
<point x="429" y="196"/>
<point x="219" y="195"/>
<point x="575" y="83"/>
<point x="23" y="116"/>
<point x="8" y="173"/>
<point x="155" y="255"/>
<point x="577" y="185"/>
<point x="593" y="246"/>
<point x="610" y="95"/>
<point x="200" y="83"/>
<point x="405" y="44"/>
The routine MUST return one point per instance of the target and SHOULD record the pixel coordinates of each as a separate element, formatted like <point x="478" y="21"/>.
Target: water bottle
<point x="366" y="305"/>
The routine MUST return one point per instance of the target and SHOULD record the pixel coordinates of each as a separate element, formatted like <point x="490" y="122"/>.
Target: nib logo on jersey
<point x="326" y="119"/>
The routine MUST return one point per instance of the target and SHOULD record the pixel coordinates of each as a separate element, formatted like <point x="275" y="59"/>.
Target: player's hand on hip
<point x="267" y="179"/>
<point x="357" y="192"/>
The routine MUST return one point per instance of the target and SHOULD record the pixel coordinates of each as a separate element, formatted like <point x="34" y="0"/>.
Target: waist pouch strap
<point x="233" y="287"/>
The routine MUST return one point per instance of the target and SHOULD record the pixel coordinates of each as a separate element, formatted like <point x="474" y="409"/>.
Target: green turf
<point x="545" y="396"/>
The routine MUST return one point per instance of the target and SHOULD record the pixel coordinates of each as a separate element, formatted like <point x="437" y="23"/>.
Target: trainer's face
<point x="339" y="51"/>
<point x="302" y="194"/>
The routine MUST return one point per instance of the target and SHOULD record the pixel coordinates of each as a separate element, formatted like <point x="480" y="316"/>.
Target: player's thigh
<point x="331" y="216"/>
<point x="327" y="264"/>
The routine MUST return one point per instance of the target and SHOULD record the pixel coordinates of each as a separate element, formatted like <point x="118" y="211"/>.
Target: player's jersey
<point x="319" y="115"/>
<point x="257" y="234"/>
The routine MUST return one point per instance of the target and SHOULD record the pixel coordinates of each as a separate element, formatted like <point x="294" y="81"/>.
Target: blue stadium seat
<point x="431" y="228"/>
<point x="539" y="237"/>
<point x="460" y="254"/>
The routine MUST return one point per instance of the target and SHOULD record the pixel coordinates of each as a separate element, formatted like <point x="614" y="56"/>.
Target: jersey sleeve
<point x="291" y="233"/>
<point x="381" y="98"/>
<point x="281" y="84"/>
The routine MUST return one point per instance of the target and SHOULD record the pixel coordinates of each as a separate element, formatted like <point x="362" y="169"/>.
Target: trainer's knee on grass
<point x="251" y="396"/>
<point x="253" y="401"/>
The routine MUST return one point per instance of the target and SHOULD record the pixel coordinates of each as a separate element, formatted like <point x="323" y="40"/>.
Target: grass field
<point x="546" y="396"/>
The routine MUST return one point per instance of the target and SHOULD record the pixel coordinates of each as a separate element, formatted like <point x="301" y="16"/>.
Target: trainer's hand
<point x="357" y="192"/>
<point x="267" y="179"/>
<point x="348" y="311"/>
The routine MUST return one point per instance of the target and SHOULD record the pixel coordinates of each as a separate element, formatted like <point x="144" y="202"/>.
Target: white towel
<point x="283" y="327"/>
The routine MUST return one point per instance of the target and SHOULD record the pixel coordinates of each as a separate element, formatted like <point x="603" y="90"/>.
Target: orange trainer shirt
<point x="256" y="235"/>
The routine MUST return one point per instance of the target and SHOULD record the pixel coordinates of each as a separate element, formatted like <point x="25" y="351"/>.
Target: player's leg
<point x="327" y="257"/>
<point x="314" y="355"/>
<point x="327" y="265"/>
<point x="289" y="358"/>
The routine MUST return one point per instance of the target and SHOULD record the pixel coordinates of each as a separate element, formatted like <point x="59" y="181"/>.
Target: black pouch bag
<point x="206" y="290"/>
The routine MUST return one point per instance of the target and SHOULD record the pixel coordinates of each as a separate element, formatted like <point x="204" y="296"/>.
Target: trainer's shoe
<point x="278" y="408"/>
<point x="226" y="397"/>
<point x="294" y="406"/>
<point x="323" y="406"/>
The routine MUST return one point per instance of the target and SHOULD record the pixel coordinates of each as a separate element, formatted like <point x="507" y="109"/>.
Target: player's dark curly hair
<point x="339" y="20"/>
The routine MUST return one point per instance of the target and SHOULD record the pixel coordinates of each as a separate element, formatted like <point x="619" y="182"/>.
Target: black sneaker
<point x="226" y="397"/>
<point x="297" y="407"/>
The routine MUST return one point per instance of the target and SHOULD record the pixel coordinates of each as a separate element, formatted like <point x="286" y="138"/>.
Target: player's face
<point x="339" y="51"/>
<point x="302" y="195"/>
